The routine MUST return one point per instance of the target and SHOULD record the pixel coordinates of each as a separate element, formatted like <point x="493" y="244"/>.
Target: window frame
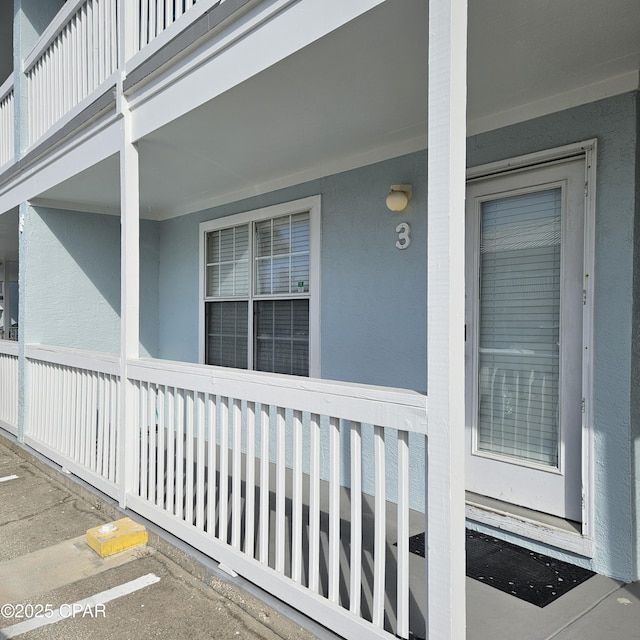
<point x="312" y="205"/>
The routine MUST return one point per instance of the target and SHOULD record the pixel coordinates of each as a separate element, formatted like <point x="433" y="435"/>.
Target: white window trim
<point x="311" y="204"/>
<point x="583" y="543"/>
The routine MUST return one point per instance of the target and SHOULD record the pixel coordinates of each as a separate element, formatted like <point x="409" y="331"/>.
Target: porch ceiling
<point x="359" y="95"/>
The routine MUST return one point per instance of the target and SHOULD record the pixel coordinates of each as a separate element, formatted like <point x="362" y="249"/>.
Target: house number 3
<point x="404" y="239"/>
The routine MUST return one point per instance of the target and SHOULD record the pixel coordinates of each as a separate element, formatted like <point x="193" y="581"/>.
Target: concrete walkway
<point x="166" y="589"/>
<point x="48" y="573"/>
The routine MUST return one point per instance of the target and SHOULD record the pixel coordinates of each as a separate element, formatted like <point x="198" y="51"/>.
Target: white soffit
<point x="359" y="95"/>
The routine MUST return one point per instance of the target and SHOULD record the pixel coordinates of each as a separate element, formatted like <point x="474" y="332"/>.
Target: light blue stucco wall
<point x="362" y="340"/>
<point x="71" y="263"/>
<point x="374" y="303"/>
<point x="614" y="123"/>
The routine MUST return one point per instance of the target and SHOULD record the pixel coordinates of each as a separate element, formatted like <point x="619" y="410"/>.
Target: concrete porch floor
<point x="598" y="609"/>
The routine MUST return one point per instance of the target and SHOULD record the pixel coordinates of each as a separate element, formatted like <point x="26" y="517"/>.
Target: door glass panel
<point x="519" y="327"/>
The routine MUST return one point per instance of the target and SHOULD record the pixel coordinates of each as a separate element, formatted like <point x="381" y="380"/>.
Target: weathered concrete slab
<point x="48" y="569"/>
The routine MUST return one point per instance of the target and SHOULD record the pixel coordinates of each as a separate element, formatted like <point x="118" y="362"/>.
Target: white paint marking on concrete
<point x="6" y="478"/>
<point x="65" y="610"/>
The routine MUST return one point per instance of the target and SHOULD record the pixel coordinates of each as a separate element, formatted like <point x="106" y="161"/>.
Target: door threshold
<point x="527" y="523"/>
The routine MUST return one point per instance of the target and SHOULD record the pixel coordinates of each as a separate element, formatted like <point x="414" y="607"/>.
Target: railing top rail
<point x="6" y="87"/>
<point x="89" y="360"/>
<point x="58" y="23"/>
<point x="385" y="406"/>
<point x="9" y="347"/>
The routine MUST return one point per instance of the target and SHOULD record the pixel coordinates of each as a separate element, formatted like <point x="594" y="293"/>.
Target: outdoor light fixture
<point x="399" y="197"/>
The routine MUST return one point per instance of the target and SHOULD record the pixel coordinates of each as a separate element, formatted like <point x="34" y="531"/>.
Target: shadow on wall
<point x="73" y="276"/>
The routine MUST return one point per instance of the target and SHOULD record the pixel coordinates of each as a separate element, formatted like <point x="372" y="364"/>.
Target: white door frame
<point x="582" y="542"/>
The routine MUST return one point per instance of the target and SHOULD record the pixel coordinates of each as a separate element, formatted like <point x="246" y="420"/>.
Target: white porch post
<point x="6" y="315"/>
<point x="130" y="301"/>
<point x="445" y="318"/>
<point x="129" y="262"/>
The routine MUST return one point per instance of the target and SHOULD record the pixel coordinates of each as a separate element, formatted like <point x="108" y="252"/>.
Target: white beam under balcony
<point x="274" y="29"/>
<point x="445" y="318"/>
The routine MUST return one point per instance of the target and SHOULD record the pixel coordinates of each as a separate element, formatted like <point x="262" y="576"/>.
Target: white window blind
<point x="282" y="255"/>
<point x="260" y="268"/>
<point x="228" y="262"/>
<point x="519" y="328"/>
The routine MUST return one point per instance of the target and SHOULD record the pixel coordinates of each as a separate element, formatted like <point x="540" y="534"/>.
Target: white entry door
<point x="525" y="280"/>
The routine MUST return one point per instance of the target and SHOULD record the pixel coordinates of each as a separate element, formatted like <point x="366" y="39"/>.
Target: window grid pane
<point x="227" y="334"/>
<point x="520" y="326"/>
<point x="282" y="336"/>
<point x="227" y="271"/>
<point x="282" y="255"/>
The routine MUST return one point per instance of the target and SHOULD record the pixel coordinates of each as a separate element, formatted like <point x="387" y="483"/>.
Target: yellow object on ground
<point x="117" y="536"/>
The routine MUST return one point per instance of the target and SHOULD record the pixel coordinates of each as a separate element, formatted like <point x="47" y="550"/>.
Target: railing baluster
<point x="179" y="478"/>
<point x="211" y="464"/>
<point x="160" y="474"/>
<point x="223" y="500"/>
<point x="144" y="439"/>
<point x="152" y="419"/>
<point x="152" y="20"/>
<point x="403" y="536"/>
<point x="101" y="424"/>
<point x="200" y="448"/>
<point x="281" y="470"/>
<point x="314" y="503"/>
<point x="296" y="511"/>
<point x="82" y="415"/>
<point x="64" y="402"/>
<point x="137" y="390"/>
<point x="144" y="24"/>
<point x="250" y="482"/>
<point x="171" y="446"/>
<point x="189" y="497"/>
<point x="355" y="582"/>
<point x="114" y="386"/>
<point x="236" y="475"/>
<point x="264" y="484"/>
<point x="379" y="553"/>
<point x="334" y="510"/>
<point x="71" y="424"/>
<point x="86" y="433"/>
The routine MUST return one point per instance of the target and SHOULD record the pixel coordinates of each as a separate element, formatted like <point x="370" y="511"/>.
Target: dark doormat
<point x="525" y="574"/>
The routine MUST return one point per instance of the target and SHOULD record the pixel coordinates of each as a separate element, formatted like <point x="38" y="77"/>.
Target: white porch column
<point x="129" y="259"/>
<point x="130" y="299"/>
<point x="6" y="314"/>
<point x="445" y="318"/>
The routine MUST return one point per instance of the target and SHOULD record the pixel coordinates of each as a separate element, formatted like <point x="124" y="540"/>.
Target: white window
<point x="260" y="287"/>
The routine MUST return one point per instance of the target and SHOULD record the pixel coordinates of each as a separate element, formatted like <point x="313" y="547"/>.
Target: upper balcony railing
<point x="7" y="119"/>
<point x="79" y="52"/>
<point x="75" y="55"/>
<point x="155" y="16"/>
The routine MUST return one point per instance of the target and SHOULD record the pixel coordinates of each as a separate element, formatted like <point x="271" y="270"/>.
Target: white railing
<point x="7" y="119"/>
<point x="155" y="16"/>
<point x="268" y="474"/>
<point x="73" y="412"/>
<point x="302" y="486"/>
<point x="75" y="55"/>
<point x="9" y="386"/>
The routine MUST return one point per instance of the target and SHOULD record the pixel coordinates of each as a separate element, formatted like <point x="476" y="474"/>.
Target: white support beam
<point x="130" y="299"/>
<point x="445" y="318"/>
